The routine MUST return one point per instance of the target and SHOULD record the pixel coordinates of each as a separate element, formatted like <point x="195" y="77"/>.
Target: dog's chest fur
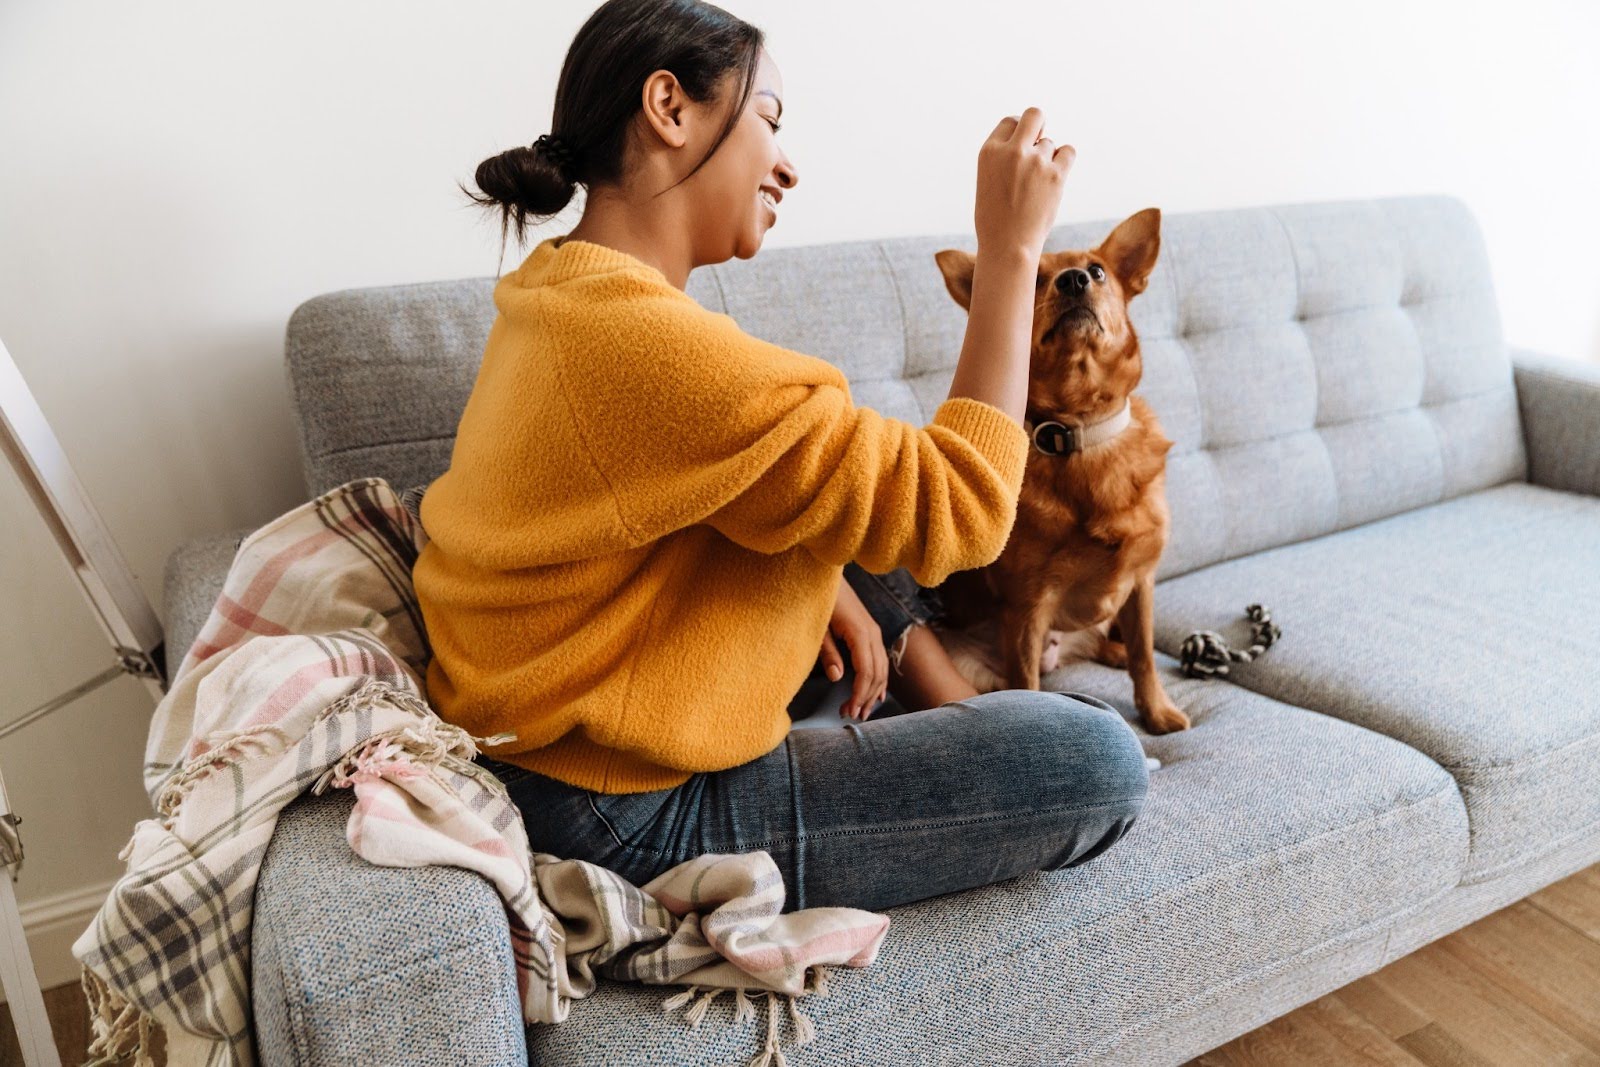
<point x="1087" y="527"/>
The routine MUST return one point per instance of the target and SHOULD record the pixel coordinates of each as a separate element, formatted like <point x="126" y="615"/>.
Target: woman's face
<point x="738" y="189"/>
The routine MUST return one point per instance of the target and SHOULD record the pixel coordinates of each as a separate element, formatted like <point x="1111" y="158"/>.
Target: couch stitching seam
<point x="905" y="320"/>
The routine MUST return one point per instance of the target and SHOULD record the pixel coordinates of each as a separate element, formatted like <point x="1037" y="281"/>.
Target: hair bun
<point x="527" y="180"/>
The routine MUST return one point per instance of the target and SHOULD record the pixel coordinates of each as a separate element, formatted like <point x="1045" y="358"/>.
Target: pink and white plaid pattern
<point x="316" y="646"/>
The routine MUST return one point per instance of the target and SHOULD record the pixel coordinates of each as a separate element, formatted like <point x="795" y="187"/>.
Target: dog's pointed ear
<point x="956" y="266"/>
<point x="1132" y="247"/>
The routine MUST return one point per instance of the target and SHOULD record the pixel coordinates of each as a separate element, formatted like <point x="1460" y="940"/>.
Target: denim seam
<point x="588" y="794"/>
<point x="949" y="823"/>
<point x="750" y="846"/>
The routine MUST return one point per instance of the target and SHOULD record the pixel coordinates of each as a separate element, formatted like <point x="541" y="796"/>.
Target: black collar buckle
<point x="1056" y="439"/>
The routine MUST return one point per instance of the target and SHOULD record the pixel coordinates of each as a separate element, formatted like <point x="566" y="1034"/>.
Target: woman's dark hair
<point x="620" y="44"/>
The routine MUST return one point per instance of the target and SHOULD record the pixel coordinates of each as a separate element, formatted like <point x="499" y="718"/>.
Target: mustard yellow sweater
<point x="637" y="547"/>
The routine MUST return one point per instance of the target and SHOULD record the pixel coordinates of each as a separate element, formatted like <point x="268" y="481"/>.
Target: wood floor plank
<point x="1294" y="1038"/>
<point x="1469" y="1009"/>
<point x="1538" y="961"/>
<point x="69" y="1025"/>
<point x="1435" y="1046"/>
<point x="1364" y="1042"/>
<point x="1390" y="1014"/>
<point x="1575" y="900"/>
<point x="1326" y="1031"/>
<point x="69" y="1021"/>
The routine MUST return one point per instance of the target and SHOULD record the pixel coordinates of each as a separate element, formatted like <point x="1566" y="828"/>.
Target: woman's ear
<point x="662" y="107"/>
<point x="956" y="266"/>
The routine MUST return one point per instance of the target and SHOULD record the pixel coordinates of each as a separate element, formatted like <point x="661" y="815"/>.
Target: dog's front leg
<point x="1023" y="629"/>
<point x="1137" y="620"/>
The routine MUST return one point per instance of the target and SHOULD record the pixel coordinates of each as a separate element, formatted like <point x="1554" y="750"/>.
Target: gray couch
<point x="1356" y="448"/>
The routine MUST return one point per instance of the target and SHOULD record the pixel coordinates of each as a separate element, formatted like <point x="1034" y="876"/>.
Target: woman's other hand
<point x="852" y="623"/>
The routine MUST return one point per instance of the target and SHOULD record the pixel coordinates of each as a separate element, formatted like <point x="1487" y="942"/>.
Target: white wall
<point x="178" y="176"/>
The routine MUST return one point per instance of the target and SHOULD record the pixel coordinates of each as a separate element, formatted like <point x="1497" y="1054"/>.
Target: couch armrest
<point x="356" y="963"/>
<point x="194" y="576"/>
<point x="1560" y="404"/>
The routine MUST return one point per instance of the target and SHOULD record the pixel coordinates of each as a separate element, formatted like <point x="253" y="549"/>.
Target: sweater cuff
<point x="1000" y="438"/>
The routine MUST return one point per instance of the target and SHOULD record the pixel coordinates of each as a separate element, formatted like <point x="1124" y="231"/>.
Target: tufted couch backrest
<point x="1317" y="365"/>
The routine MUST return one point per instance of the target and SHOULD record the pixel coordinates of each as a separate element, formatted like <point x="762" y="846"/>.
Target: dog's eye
<point x="1096" y="273"/>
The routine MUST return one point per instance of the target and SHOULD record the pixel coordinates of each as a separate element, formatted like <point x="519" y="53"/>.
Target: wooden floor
<point x="1519" y="986"/>
<point x="69" y="1019"/>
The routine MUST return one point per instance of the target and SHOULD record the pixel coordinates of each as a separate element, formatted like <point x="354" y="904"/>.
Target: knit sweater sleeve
<point x="691" y="420"/>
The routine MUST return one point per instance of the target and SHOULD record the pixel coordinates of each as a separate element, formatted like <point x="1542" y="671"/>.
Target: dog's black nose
<point x="1075" y="280"/>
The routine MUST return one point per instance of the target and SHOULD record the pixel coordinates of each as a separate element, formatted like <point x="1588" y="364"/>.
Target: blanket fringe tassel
<point x="697" y="1011"/>
<point x="120" y="1028"/>
<point x="743" y="1009"/>
<point x="771" y="1054"/>
<point x="679" y="999"/>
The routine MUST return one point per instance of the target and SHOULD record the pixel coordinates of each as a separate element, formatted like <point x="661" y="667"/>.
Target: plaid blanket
<point x="307" y="675"/>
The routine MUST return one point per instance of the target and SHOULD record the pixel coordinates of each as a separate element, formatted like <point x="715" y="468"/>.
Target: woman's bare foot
<point x="927" y="677"/>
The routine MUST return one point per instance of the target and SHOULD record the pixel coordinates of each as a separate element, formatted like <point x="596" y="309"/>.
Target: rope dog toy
<point x="1205" y="654"/>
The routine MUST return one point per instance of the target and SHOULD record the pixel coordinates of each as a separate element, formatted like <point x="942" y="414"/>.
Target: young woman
<point x="660" y="537"/>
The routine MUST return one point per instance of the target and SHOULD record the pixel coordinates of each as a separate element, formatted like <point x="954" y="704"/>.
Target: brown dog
<point x="1092" y="517"/>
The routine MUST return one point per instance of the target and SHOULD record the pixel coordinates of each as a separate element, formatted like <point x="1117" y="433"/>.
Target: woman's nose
<point x="787" y="176"/>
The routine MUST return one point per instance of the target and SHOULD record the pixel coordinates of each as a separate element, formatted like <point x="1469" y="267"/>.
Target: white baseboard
<point x="52" y="924"/>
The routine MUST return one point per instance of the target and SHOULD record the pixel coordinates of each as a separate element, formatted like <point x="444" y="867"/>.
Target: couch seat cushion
<point x="1268" y="832"/>
<point x="1466" y="629"/>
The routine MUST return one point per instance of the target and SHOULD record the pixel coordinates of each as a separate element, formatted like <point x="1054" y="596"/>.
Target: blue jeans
<point x="882" y="812"/>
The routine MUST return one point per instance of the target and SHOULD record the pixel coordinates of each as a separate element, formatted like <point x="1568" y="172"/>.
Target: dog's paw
<point x="1163" y="718"/>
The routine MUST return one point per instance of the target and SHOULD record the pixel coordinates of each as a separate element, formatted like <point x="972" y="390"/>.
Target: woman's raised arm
<point x="1020" y="175"/>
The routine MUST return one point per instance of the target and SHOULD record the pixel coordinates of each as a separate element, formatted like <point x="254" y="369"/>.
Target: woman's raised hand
<point x="1020" y="174"/>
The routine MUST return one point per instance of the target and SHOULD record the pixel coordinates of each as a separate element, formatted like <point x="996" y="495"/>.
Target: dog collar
<point x="1062" y="439"/>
